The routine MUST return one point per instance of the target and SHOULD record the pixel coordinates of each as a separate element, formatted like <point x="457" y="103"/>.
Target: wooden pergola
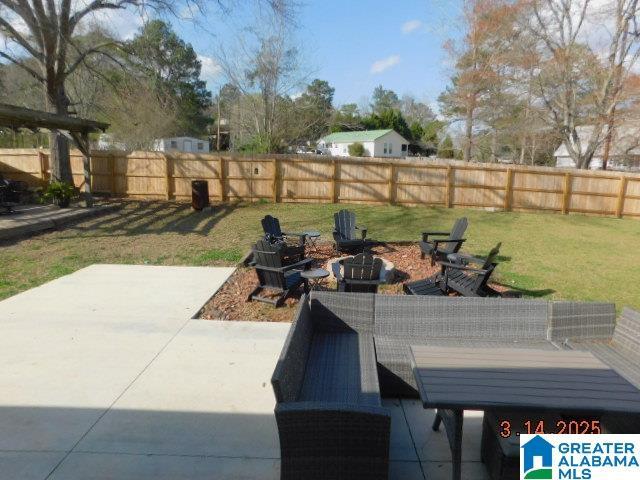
<point x="78" y="130"/>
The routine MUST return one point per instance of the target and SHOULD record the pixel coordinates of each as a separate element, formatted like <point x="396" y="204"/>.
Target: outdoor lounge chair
<point x="271" y="226"/>
<point x="469" y="280"/>
<point x="274" y="274"/>
<point x="11" y="192"/>
<point x="460" y="276"/>
<point x="446" y="243"/>
<point x="360" y="274"/>
<point x="345" y="236"/>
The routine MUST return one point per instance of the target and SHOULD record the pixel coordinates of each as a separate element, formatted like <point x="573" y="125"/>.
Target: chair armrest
<point x="467" y="258"/>
<point x="291" y="234"/>
<point x="448" y="240"/>
<point x="457" y="266"/>
<point x="439" y="234"/>
<point x="292" y="407"/>
<point x="296" y="265"/>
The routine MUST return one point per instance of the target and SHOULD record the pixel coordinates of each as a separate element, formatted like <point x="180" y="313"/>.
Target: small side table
<point x="313" y="277"/>
<point x="312" y="236"/>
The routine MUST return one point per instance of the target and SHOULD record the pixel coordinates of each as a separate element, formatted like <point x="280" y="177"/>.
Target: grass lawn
<point x="545" y="255"/>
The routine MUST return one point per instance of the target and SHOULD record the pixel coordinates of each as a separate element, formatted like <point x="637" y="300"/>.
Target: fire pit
<point x="387" y="273"/>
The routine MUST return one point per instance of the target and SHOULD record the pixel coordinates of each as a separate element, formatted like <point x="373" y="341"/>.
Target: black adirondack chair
<point x="443" y="243"/>
<point x="359" y="274"/>
<point x="469" y="275"/>
<point x="271" y="226"/>
<point x="10" y="193"/>
<point x="275" y="276"/>
<point x="463" y="274"/>
<point x="345" y="236"/>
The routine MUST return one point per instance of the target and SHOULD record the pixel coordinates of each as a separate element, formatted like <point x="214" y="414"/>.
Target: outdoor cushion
<point x="621" y="361"/>
<point x="341" y="368"/>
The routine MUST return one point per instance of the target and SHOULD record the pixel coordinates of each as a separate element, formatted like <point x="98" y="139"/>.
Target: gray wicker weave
<point x="346" y="350"/>
<point x="329" y="413"/>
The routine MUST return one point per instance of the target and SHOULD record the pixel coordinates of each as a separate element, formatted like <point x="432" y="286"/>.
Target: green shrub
<point x="356" y="149"/>
<point x="60" y="193"/>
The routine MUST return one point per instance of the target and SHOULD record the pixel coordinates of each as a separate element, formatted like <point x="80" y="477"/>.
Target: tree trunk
<point x="468" y="137"/>
<point x="59" y="143"/>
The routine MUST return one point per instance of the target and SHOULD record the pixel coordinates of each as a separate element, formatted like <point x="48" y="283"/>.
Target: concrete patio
<point x="107" y="376"/>
<point x="30" y="219"/>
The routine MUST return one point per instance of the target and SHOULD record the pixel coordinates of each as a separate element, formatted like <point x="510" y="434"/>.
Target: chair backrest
<point x="468" y="317"/>
<point x="345" y="221"/>
<point x="581" y="320"/>
<point x="338" y="312"/>
<point x="627" y="332"/>
<point x="363" y="266"/>
<point x="271" y="226"/>
<point x="457" y="233"/>
<point x="268" y="254"/>
<point x="491" y="258"/>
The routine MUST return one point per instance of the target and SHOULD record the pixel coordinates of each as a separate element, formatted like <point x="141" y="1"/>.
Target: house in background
<point x="624" y="153"/>
<point x="377" y="143"/>
<point x="181" y="144"/>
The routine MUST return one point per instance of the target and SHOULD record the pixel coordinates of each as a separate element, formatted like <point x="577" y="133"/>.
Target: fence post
<point x="508" y="192"/>
<point x="334" y="182"/>
<point x="621" y="195"/>
<point x="167" y="175"/>
<point x="112" y="168"/>
<point x="392" y="184"/>
<point x="566" y="196"/>
<point x="221" y="178"/>
<point x="43" y="169"/>
<point x="276" y="180"/>
<point x="449" y="187"/>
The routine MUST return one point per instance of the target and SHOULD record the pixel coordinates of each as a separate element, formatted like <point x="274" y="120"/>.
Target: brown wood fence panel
<point x="285" y="178"/>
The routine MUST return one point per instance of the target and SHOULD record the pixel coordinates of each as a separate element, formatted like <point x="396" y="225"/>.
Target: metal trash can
<point x="199" y="194"/>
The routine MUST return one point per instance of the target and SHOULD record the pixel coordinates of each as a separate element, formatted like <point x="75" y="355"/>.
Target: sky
<point x="356" y="45"/>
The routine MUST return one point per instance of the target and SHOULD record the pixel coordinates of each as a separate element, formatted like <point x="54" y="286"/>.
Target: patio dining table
<point x="568" y="382"/>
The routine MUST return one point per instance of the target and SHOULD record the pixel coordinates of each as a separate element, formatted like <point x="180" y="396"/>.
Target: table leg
<point x="452" y="420"/>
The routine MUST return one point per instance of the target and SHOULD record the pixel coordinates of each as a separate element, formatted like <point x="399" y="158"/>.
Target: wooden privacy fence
<point x="283" y="178"/>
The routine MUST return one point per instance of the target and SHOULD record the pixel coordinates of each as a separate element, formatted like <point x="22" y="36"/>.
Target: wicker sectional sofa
<point x="345" y="351"/>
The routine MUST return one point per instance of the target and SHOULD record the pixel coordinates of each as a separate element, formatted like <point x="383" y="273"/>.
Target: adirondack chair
<point x="344" y="234"/>
<point x="469" y="275"/>
<point x="359" y="274"/>
<point x="458" y="276"/>
<point x="271" y="226"/>
<point x="274" y="274"/>
<point x="445" y="243"/>
<point x="10" y="193"/>
<point x="293" y="250"/>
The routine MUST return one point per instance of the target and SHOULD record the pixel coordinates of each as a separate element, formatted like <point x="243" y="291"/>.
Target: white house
<point x="377" y="143"/>
<point x="181" y="144"/>
<point x="623" y="155"/>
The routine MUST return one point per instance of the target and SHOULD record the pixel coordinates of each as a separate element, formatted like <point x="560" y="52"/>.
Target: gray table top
<point x="568" y="381"/>
<point x="315" y="273"/>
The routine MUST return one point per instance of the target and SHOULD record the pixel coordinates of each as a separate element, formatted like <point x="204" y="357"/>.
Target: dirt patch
<point x="231" y="302"/>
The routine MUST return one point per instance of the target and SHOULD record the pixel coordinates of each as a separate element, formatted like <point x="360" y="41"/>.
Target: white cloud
<point x="210" y="68"/>
<point x="381" y="65"/>
<point x="411" y="26"/>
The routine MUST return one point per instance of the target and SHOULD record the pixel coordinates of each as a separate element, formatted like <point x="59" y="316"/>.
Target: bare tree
<point x="41" y="39"/>
<point x="576" y="84"/>
<point x="263" y="66"/>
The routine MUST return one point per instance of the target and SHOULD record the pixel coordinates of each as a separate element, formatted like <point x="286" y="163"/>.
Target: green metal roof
<point x="350" y="137"/>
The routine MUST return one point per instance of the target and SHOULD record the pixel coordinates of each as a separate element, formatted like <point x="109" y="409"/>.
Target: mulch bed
<point x="230" y="303"/>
